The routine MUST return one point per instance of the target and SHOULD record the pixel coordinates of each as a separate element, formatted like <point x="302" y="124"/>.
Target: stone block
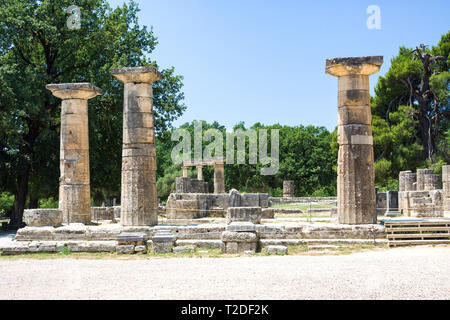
<point x="35" y="233"/>
<point x="354" y="114"/>
<point x="183" y="249"/>
<point x="251" y="214"/>
<point x="268" y="213"/>
<point x="250" y="200"/>
<point x="263" y="200"/>
<point x="229" y="236"/>
<point x="241" y="226"/>
<point x="125" y="249"/>
<point x="43" y="217"/>
<point x="162" y="247"/>
<point x="140" y="249"/>
<point x="282" y="250"/>
<point x="239" y="247"/>
<point x="102" y="213"/>
<point x="134" y="238"/>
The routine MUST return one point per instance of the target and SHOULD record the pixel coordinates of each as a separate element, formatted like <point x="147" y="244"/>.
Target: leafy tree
<point x="37" y="48"/>
<point x="420" y="79"/>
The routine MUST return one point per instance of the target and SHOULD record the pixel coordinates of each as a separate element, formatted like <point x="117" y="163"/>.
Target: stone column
<point x="74" y="181"/>
<point x="185" y="171"/>
<point x="139" y="199"/>
<point x="219" y="177"/>
<point x="356" y="176"/>
<point x="199" y="172"/>
<point x="288" y="188"/>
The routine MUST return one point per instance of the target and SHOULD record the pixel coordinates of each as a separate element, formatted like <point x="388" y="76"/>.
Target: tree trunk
<point x="33" y="202"/>
<point x="20" y="198"/>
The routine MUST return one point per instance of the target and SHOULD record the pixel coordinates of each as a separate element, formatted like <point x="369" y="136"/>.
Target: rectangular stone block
<point x="43" y="217"/>
<point x="358" y="134"/>
<point x="138" y="135"/>
<point x="353" y="82"/>
<point x="138" y="120"/>
<point x="353" y="98"/>
<point x="74" y="166"/>
<point x="354" y="115"/>
<point x="250" y="214"/>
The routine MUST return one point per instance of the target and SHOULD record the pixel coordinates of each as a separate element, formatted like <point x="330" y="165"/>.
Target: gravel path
<point x="402" y="273"/>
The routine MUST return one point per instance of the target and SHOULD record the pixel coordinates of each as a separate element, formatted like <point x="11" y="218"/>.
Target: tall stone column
<point x="219" y="177"/>
<point x="139" y="199"/>
<point x="74" y="181"/>
<point x="199" y="172"/>
<point x="356" y="176"/>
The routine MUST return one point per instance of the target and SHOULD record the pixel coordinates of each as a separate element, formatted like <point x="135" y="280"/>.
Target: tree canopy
<point x="37" y="48"/>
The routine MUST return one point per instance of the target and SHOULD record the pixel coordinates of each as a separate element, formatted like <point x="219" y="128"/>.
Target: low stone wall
<point x="293" y="200"/>
<point x="205" y="231"/>
<point x="200" y="205"/>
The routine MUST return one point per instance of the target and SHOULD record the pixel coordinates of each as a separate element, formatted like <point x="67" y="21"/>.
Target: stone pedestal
<point x="139" y="200"/>
<point x="288" y="188"/>
<point x="356" y="176"/>
<point x="219" y="177"/>
<point x="74" y="181"/>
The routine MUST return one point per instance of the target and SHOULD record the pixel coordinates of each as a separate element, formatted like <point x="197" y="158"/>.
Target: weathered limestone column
<point x="356" y="176"/>
<point x="185" y="171"/>
<point x="288" y="188"/>
<point x="199" y="172"/>
<point x="219" y="177"/>
<point x="74" y="181"/>
<point x="139" y="199"/>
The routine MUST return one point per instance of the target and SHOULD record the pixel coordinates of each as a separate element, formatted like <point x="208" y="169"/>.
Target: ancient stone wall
<point x="188" y="185"/>
<point x="421" y="193"/>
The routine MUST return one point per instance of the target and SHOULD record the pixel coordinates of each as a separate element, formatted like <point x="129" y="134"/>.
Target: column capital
<point x="83" y="90"/>
<point x="353" y="66"/>
<point x="145" y="74"/>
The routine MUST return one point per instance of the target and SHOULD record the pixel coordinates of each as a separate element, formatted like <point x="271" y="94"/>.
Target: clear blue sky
<point x="264" y="61"/>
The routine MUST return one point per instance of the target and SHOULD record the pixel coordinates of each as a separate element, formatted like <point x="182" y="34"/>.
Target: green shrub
<point x="6" y="202"/>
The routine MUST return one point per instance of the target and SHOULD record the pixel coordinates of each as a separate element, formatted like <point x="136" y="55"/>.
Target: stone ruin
<point x="72" y="224"/>
<point x="201" y="205"/>
<point x="424" y="194"/>
<point x="288" y="189"/>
